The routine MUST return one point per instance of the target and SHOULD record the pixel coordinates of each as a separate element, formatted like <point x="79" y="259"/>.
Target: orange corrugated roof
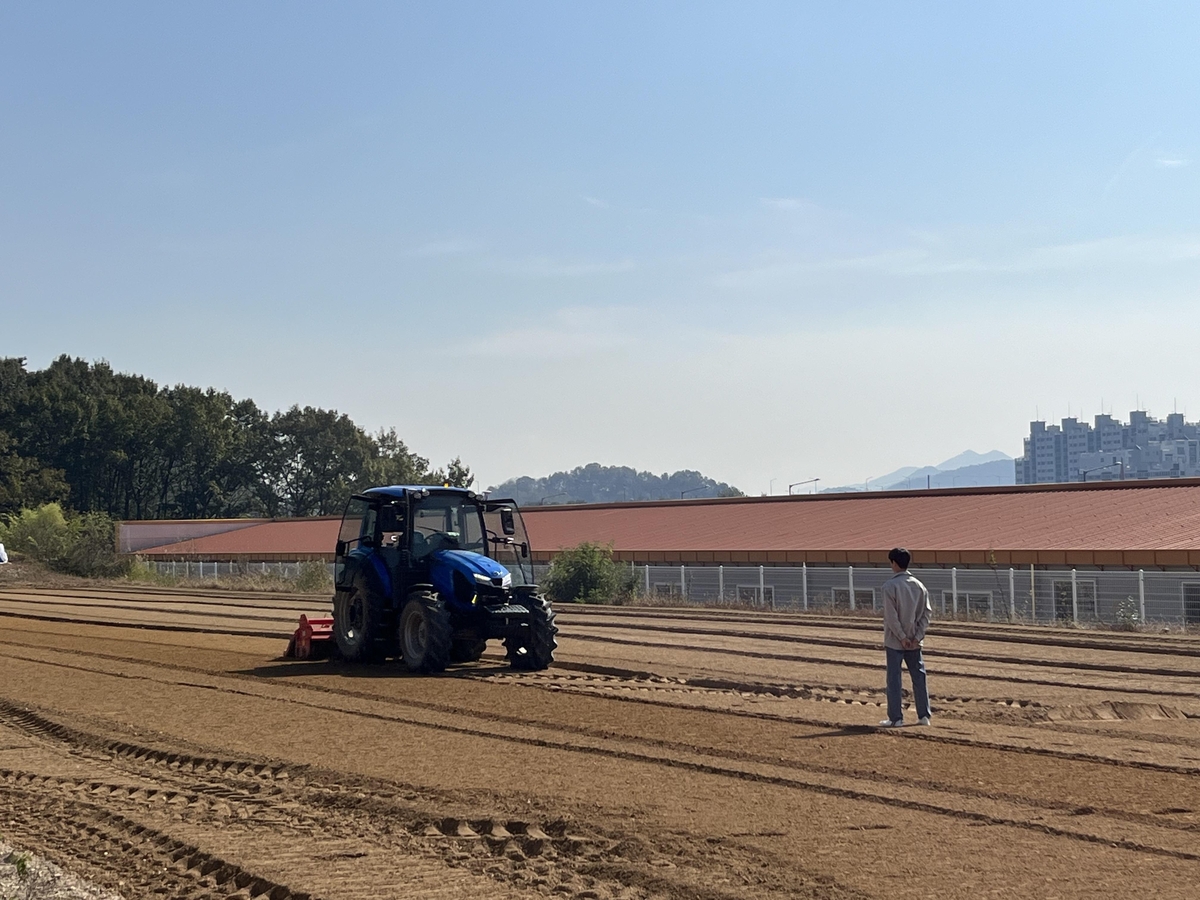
<point x="294" y="537"/>
<point x="1094" y="517"/>
<point x="1122" y="519"/>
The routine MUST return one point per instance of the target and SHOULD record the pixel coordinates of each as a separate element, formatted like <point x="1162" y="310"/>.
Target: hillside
<point x="595" y="483"/>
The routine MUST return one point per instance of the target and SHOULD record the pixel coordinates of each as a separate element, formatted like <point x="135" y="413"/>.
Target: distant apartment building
<point x="1107" y="449"/>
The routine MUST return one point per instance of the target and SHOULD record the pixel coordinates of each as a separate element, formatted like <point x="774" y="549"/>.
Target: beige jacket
<point x="906" y="610"/>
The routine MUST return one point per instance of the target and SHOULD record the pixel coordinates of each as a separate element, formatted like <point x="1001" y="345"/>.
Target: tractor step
<point x="508" y="610"/>
<point x="313" y="639"/>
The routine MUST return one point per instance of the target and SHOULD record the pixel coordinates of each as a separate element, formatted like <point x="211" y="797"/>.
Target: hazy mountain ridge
<point x="595" y="483"/>
<point x="967" y="469"/>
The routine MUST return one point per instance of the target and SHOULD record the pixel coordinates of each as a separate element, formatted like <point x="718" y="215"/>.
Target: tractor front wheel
<point x="425" y="633"/>
<point x="534" y="649"/>
<point x="358" y="626"/>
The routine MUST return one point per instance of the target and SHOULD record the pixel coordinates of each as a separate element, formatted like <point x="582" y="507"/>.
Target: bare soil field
<point x="153" y="742"/>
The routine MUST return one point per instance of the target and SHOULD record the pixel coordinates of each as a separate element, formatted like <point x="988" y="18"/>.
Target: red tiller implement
<point x="312" y="640"/>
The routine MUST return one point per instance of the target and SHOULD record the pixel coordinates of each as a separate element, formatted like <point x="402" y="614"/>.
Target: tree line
<point x="96" y="440"/>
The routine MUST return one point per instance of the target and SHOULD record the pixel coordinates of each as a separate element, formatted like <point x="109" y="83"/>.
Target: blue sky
<point x="766" y="241"/>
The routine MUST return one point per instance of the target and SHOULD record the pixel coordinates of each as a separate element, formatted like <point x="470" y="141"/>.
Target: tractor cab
<point x="452" y="563"/>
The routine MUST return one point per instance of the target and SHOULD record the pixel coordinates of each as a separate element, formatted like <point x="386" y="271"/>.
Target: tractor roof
<point x="397" y="491"/>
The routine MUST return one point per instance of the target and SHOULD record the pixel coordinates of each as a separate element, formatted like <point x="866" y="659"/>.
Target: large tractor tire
<point x="426" y="636"/>
<point x="467" y="651"/>
<point x="534" y="650"/>
<point x="358" y="626"/>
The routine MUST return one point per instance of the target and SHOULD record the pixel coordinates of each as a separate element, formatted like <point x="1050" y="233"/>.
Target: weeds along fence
<point x="1075" y="596"/>
<point x="218" y="569"/>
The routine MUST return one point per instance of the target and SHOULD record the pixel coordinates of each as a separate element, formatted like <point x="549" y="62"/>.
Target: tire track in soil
<point x="548" y="856"/>
<point x="536" y="680"/>
<point x="719" y="685"/>
<point x="1039" y="635"/>
<point x="1022" y="813"/>
<point x="124" y="855"/>
<point x="950" y="672"/>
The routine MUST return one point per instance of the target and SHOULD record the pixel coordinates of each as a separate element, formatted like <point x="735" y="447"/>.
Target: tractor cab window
<point x="446" y="522"/>
<point x="352" y="521"/>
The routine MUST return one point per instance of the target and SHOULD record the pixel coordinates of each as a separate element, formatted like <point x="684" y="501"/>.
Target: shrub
<point x="588" y="574"/>
<point x="81" y="545"/>
<point x="92" y="548"/>
<point x="1129" y="617"/>
<point x="314" y="577"/>
<point x="41" y="533"/>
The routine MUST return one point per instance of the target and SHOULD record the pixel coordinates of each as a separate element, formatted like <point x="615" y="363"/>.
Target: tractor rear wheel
<point x="426" y="636"/>
<point x="534" y="650"/>
<point x="358" y="627"/>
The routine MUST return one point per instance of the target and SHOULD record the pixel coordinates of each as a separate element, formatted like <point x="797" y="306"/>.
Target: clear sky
<point x="766" y="241"/>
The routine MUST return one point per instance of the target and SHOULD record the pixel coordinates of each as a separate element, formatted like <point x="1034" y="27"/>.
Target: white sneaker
<point x="888" y="723"/>
<point x="924" y="720"/>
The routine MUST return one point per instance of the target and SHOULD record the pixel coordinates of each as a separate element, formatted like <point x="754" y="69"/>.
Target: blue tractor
<point x="431" y="574"/>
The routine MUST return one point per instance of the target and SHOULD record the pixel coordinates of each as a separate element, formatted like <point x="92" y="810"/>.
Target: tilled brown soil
<point x="668" y="754"/>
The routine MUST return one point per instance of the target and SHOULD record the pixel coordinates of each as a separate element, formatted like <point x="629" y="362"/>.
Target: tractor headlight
<point x="506" y="581"/>
<point x="482" y="579"/>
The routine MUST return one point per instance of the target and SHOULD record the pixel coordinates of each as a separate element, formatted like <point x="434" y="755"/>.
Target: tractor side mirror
<point x="524" y="549"/>
<point x="506" y="521"/>
<point x="339" y="548"/>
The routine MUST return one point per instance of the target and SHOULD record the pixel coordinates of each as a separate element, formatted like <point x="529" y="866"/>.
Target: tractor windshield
<point x="446" y="522"/>
<point x="510" y="550"/>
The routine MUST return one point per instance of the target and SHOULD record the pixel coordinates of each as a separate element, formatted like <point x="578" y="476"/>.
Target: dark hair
<point x="900" y="557"/>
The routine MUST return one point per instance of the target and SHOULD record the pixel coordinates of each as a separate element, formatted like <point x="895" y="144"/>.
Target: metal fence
<point x="1032" y="595"/>
<point x="1079" y="596"/>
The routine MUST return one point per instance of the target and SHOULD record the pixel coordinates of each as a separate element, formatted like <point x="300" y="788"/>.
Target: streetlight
<point x="542" y="502"/>
<point x="805" y="481"/>
<point x="692" y="491"/>
<point x="1119" y="462"/>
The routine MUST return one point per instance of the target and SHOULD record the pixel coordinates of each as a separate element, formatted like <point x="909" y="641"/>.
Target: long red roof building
<point x="1122" y="524"/>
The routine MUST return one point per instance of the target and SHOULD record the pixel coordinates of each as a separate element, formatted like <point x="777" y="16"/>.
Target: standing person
<point x="906" y="613"/>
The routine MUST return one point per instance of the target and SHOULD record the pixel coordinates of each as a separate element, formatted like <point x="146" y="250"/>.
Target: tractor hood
<point x="473" y="568"/>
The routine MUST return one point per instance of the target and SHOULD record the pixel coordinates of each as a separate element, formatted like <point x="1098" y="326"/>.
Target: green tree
<point x="392" y="462"/>
<point x="311" y="460"/>
<point x="457" y="474"/>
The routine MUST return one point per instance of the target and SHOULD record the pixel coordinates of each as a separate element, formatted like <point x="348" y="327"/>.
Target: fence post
<point x="991" y="607"/>
<point x="762" y="593"/>
<point x="1142" y="595"/>
<point x="721" y="583"/>
<point x="683" y="582"/>
<point x="850" y="578"/>
<point x="1032" y="596"/>
<point x="954" y="589"/>
<point x="1012" y="594"/>
<point x="647" y="570"/>
<point x="1074" y="600"/>
<point x="804" y="583"/>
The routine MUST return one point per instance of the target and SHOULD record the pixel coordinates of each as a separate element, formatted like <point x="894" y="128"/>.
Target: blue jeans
<point x="916" y="671"/>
